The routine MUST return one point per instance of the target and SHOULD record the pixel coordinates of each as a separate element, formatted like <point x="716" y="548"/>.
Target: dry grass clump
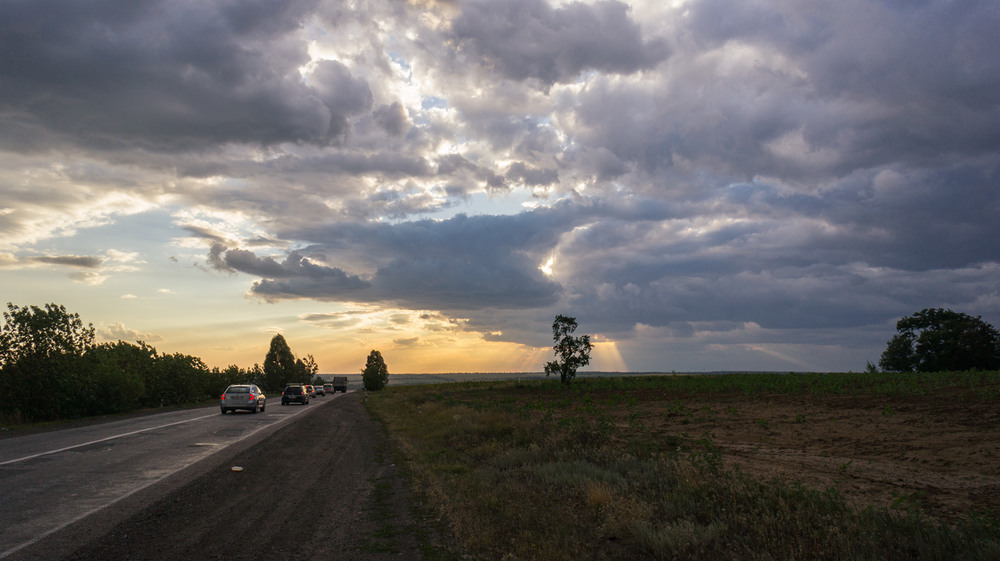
<point x="536" y="471"/>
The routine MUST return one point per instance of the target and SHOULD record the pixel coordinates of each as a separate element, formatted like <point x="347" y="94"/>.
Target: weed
<point x="677" y="409"/>
<point x="706" y="454"/>
<point x="635" y="423"/>
<point x="543" y="473"/>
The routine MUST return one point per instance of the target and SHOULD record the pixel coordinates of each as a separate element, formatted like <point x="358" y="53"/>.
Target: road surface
<point x="163" y="487"/>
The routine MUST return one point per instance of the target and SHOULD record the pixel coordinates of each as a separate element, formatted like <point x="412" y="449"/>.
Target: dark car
<point x="243" y="396"/>
<point x="295" y="393"/>
<point x="311" y="390"/>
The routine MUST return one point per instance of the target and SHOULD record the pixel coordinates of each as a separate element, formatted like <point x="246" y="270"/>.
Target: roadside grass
<point x="534" y="470"/>
<point x="390" y="527"/>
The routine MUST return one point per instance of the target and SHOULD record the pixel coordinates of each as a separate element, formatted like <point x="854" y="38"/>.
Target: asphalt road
<point x="52" y="479"/>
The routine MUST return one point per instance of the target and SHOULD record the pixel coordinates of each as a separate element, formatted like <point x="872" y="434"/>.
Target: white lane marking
<point x="48" y="533"/>
<point x="47" y="452"/>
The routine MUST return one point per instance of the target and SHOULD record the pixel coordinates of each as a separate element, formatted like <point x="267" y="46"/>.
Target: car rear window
<point x="238" y="389"/>
<point x="293" y="389"/>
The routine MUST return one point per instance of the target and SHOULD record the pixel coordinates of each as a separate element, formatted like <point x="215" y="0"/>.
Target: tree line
<point x="51" y="368"/>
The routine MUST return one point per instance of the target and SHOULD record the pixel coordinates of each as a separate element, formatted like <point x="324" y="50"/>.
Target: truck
<point x="340" y="384"/>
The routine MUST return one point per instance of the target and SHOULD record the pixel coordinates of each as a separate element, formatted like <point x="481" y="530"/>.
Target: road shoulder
<point x="323" y="485"/>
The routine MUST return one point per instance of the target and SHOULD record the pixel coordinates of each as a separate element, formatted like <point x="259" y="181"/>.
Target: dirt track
<point x="323" y="487"/>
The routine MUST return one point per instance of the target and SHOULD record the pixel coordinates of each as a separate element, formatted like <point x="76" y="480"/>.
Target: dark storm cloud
<point x="338" y="89"/>
<point x="391" y="164"/>
<point x="393" y="118"/>
<point x="717" y="171"/>
<point x="338" y="320"/>
<point x="464" y="263"/>
<point x="518" y="171"/>
<point x="819" y="96"/>
<point x="206" y="234"/>
<point x="528" y="39"/>
<point x="297" y="276"/>
<point x="82" y="261"/>
<point x="172" y="76"/>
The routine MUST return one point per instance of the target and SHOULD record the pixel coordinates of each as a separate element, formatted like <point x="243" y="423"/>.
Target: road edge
<point x="67" y="539"/>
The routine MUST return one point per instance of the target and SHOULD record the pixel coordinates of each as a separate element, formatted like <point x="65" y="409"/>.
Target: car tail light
<point x="251" y="397"/>
<point x="223" y="398"/>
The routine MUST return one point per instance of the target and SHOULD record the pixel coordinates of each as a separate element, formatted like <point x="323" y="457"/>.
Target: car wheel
<point x="262" y="407"/>
<point x="223" y="410"/>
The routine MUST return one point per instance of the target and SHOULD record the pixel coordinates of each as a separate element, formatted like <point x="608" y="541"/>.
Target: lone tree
<point x="375" y="374"/>
<point x="936" y="340"/>
<point x="571" y="352"/>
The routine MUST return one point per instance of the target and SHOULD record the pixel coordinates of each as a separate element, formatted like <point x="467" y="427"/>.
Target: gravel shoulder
<point x="323" y="486"/>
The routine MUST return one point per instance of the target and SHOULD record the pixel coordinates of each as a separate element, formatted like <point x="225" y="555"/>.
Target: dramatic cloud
<point x="172" y="76"/>
<point x="528" y="39"/>
<point x="82" y="261"/>
<point x="704" y="184"/>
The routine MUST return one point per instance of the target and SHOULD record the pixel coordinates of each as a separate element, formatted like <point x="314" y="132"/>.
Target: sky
<point x="703" y="184"/>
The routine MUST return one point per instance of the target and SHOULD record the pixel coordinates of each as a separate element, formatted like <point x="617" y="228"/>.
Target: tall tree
<point x="936" y="339"/>
<point x="279" y="365"/>
<point x="375" y="374"/>
<point x="571" y="352"/>
<point x="37" y="333"/>
<point x="307" y="368"/>
<point x="42" y="349"/>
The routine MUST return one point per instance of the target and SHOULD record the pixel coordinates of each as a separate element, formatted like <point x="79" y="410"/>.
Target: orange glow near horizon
<point x="344" y="351"/>
<point x="606" y="357"/>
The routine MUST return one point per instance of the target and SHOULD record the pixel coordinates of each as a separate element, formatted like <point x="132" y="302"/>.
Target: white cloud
<point x="117" y="331"/>
<point x="685" y="166"/>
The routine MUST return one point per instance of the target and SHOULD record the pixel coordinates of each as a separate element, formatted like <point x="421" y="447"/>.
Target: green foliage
<point x="307" y="370"/>
<point x="41" y="361"/>
<point x="117" y="382"/>
<point x="179" y="379"/>
<point x="938" y="340"/>
<point x="51" y="369"/>
<point x="572" y="352"/>
<point x="33" y="333"/>
<point x="375" y="374"/>
<point x="280" y="367"/>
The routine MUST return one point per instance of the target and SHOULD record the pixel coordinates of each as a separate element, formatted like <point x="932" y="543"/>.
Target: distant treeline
<point x="50" y="368"/>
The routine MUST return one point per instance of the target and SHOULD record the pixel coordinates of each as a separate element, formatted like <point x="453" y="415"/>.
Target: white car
<point x="244" y="396"/>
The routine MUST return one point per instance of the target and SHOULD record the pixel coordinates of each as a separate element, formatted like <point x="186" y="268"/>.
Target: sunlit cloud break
<point x="704" y="185"/>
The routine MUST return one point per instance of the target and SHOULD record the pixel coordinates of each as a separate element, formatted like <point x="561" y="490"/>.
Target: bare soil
<point x="322" y="487"/>
<point x="940" y="452"/>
